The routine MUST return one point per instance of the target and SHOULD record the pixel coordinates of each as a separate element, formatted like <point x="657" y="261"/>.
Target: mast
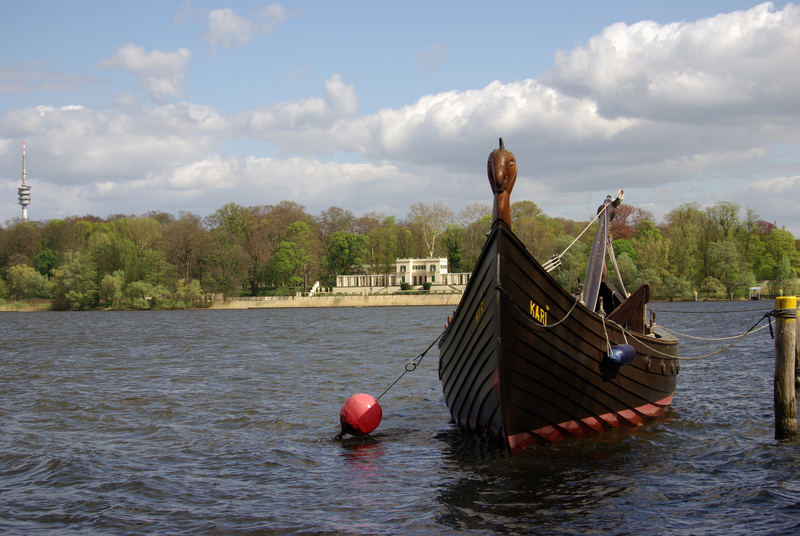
<point x="597" y="258"/>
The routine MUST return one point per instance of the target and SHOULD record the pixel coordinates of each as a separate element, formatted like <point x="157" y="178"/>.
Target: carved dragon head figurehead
<point x="502" y="171"/>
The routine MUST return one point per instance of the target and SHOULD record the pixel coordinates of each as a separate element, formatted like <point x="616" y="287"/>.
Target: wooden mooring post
<point x="785" y="371"/>
<point x="797" y="353"/>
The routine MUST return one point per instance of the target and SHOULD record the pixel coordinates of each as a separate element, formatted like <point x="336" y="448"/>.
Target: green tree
<point x="684" y="231"/>
<point x="724" y="263"/>
<point x="383" y="241"/>
<point x="651" y="248"/>
<point x="25" y="283"/>
<point x="452" y="243"/>
<point x="293" y="255"/>
<point x="474" y="237"/>
<point x="187" y="295"/>
<point x="45" y="261"/>
<point x="784" y="279"/>
<point x="573" y="264"/>
<point x="712" y="288"/>
<point x="111" y="288"/>
<point x="75" y="283"/>
<point x="346" y="252"/>
<point x="627" y="268"/>
<point x="677" y="287"/>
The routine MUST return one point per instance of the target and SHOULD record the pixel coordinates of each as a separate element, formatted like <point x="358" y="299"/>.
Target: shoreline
<point x="287" y="302"/>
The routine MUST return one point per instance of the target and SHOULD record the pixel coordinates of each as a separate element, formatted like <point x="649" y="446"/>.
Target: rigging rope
<point x="555" y="260"/>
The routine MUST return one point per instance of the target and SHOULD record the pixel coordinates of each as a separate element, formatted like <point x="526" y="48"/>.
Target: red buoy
<point x="360" y="414"/>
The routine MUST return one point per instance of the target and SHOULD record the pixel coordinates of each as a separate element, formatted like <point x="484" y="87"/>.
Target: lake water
<point x="223" y="422"/>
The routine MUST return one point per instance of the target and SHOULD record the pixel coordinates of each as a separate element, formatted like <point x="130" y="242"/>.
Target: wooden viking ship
<point x="526" y="362"/>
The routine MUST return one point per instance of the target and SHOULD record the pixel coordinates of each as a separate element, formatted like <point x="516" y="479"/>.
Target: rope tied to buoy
<point x="361" y="413"/>
<point x="412" y="365"/>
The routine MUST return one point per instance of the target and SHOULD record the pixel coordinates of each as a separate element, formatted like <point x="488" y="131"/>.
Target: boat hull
<point x="523" y="362"/>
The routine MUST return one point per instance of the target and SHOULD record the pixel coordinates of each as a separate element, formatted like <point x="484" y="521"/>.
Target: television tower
<point x="24" y="191"/>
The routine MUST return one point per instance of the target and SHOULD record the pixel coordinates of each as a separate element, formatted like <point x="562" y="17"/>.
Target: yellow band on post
<point x="786" y="302"/>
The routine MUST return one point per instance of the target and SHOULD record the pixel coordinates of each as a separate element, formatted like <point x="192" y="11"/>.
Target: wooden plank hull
<point x="510" y="370"/>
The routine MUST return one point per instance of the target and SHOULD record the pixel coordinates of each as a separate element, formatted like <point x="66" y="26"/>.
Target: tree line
<point x="161" y="261"/>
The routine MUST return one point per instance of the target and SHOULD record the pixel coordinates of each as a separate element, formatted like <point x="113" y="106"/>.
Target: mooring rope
<point x="705" y="356"/>
<point x="760" y="310"/>
<point x="638" y="337"/>
<point x="687" y="336"/>
<point x="413" y="364"/>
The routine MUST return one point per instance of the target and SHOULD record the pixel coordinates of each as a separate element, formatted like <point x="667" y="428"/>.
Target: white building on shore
<point x="412" y="272"/>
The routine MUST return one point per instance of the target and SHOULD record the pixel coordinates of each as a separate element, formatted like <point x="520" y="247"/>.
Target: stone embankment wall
<point x="365" y="300"/>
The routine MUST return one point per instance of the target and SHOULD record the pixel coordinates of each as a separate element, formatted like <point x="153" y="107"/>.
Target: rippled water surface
<point x="222" y="422"/>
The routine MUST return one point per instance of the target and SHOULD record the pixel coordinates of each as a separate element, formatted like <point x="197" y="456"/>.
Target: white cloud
<point x="688" y="71"/>
<point x="342" y="98"/>
<point x="77" y="145"/>
<point x="161" y="73"/>
<point x="228" y="30"/>
<point x="771" y="196"/>
<point x="661" y="110"/>
<point x="214" y="173"/>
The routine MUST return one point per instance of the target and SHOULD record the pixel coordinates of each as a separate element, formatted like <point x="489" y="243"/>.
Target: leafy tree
<point x="533" y="227"/>
<point x="346" y="251"/>
<point x="111" y="287"/>
<point x="677" y="287"/>
<point x="712" y="288"/>
<point x="144" y="295"/>
<point x="628" y="269"/>
<point x="24" y="283"/>
<point x="724" y="220"/>
<point x="19" y="244"/>
<point x="452" y="244"/>
<point x="75" y="283"/>
<point x="474" y="237"/>
<point x="784" y="278"/>
<point x="781" y="242"/>
<point x="384" y="247"/>
<point x="624" y="246"/>
<point x="684" y="231"/>
<point x="573" y="264"/>
<point x="723" y="259"/>
<point x="224" y="265"/>
<point x="651" y="248"/>
<point x="187" y="295"/>
<point x="45" y="261"/>
<point x="293" y="255"/>
<point x="653" y="277"/>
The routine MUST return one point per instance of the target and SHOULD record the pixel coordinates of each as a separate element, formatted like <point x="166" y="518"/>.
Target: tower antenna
<point x="24" y="191"/>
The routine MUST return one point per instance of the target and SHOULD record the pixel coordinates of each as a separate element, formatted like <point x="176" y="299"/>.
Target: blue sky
<point x="369" y="106"/>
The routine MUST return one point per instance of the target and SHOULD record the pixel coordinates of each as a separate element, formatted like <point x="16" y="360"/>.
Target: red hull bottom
<point x="588" y="426"/>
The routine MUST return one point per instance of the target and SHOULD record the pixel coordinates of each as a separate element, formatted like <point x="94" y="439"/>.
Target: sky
<point x="185" y="106"/>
